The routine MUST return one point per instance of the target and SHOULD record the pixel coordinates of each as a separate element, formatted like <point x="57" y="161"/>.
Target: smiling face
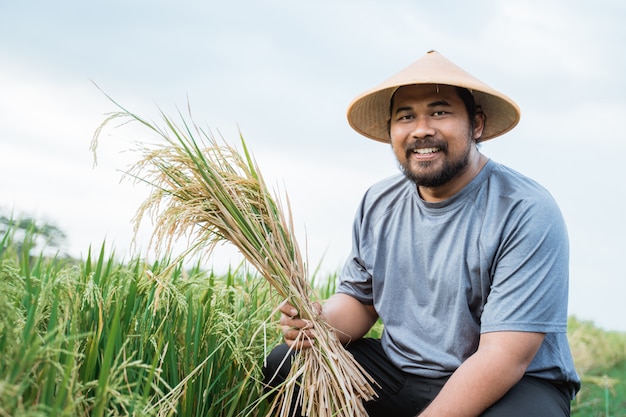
<point x="432" y="136"/>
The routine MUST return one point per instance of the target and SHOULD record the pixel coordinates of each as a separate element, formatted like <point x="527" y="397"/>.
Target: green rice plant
<point x="212" y="345"/>
<point x="207" y="192"/>
<point x="52" y="363"/>
<point x="186" y="326"/>
<point x="102" y="338"/>
<point x="31" y="317"/>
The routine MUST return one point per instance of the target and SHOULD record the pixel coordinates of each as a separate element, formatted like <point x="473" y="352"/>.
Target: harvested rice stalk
<point x="208" y="192"/>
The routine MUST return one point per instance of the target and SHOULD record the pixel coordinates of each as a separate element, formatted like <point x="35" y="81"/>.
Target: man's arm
<point x="499" y="363"/>
<point x="351" y="319"/>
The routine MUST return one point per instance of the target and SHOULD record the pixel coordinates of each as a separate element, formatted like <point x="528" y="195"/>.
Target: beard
<point x="435" y="178"/>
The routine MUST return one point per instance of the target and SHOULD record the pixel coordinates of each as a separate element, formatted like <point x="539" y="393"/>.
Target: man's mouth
<point x="425" y="151"/>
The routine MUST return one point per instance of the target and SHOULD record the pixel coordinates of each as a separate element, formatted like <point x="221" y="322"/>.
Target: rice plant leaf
<point x="102" y="394"/>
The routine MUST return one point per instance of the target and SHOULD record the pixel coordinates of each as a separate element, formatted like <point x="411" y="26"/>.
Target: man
<point x="464" y="261"/>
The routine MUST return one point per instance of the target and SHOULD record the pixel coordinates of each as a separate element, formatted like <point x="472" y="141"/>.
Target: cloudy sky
<point x="283" y="72"/>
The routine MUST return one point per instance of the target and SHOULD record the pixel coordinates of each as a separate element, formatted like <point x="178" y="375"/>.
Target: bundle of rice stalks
<point x="206" y="191"/>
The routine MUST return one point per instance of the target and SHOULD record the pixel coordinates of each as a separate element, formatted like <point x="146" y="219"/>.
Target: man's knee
<point x="532" y="397"/>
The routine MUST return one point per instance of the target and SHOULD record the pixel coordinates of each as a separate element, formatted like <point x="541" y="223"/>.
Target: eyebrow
<point x="438" y="103"/>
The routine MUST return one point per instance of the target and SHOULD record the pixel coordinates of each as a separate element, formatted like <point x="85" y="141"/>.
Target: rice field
<point x="101" y="337"/>
<point x="104" y="337"/>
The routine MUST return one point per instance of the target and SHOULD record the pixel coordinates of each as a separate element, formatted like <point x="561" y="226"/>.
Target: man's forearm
<point x="348" y="316"/>
<point x="485" y="377"/>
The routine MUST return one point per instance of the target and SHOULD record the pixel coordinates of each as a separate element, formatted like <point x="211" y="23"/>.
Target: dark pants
<point x="401" y="394"/>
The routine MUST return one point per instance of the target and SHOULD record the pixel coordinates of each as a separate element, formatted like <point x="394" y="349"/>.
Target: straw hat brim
<point x="369" y="113"/>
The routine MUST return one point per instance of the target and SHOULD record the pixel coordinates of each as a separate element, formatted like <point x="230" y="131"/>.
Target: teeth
<point x="424" y="151"/>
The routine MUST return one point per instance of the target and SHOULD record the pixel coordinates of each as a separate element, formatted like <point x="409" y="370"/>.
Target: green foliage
<point x="102" y="338"/>
<point x="600" y="358"/>
<point x="593" y="347"/>
<point x="603" y="393"/>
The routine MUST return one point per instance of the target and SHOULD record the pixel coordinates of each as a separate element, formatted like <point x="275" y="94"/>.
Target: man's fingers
<point x="292" y="334"/>
<point x="298" y="333"/>
<point x="295" y="322"/>
<point x="288" y="310"/>
<point x="299" y="339"/>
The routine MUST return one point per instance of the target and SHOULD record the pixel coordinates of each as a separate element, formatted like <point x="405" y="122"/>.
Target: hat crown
<point x="368" y="114"/>
<point x="433" y="68"/>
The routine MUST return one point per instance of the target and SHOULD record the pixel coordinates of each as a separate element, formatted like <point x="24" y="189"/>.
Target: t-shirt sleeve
<point x="530" y="273"/>
<point x="356" y="280"/>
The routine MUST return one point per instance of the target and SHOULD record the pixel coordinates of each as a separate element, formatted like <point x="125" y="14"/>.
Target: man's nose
<point x="422" y="128"/>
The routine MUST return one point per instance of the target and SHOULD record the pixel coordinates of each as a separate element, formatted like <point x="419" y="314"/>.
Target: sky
<point x="282" y="73"/>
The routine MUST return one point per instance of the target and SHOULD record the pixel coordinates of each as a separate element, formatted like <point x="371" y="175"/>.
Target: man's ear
<point x="479" y="124"/>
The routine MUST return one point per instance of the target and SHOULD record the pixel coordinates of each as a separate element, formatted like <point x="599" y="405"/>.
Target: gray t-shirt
<point x="494" y="257"/>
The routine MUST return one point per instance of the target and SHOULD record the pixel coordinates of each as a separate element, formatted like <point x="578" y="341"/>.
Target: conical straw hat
<point x="369" y="113"/>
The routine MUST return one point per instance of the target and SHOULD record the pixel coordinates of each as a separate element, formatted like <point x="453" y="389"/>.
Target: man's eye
<point x="440" y="113"/>
<point x="405" y="117"/>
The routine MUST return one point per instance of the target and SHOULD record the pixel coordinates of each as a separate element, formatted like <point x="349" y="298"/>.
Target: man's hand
<point x="297" y="332"/>
<point x="349" y="317"/>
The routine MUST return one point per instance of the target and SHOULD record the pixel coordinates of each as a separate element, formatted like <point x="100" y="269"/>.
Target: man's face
<point x="431" y="134"/>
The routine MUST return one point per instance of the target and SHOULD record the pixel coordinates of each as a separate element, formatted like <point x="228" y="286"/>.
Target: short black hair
<point x="468" y="99"/>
